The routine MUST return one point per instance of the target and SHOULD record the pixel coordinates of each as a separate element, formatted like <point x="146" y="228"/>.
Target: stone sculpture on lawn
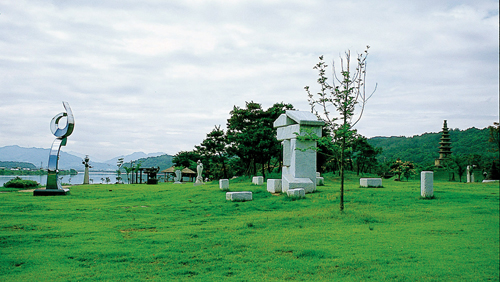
<point x="53" y="183"/>
<point x="299" y="156"/>
<point x="86" y="176"/>
<point x="178" y="177"/>
<point x="199" y="170"/>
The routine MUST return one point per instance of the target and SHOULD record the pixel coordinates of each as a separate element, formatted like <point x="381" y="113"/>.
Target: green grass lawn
<point x="185" y="232"/>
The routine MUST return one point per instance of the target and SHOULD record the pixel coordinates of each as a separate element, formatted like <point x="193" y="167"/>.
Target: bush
<point x="20" y="183"/>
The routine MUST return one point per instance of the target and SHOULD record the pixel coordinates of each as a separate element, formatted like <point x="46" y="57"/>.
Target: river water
<point x="95" y="177"/>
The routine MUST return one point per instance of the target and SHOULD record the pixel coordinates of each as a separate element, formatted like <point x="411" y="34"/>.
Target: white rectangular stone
<point x="287" y="153"/>
<point x="224" y="184"/>
<point x="370" y="182"/>
<point x="291" y="183"/>
<point x="258" y="180"/>
<point x="427" y="184"/>
<point x="274" y="185"/>
<point x="296" y="193"/>
<point x="291" y="131"/>
<point x="320" y="181"/>
<point x="239" y="196"/>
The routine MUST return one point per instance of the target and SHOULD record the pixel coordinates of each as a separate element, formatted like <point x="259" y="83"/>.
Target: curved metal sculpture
<point x="53" y="183"/>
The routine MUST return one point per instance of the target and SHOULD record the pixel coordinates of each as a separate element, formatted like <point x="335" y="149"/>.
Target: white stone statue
<point x="199" y="170"/>
<point x="178" y="175"/>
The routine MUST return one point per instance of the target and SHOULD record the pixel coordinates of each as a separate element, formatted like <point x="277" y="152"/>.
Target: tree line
<point x="249" y="147"/>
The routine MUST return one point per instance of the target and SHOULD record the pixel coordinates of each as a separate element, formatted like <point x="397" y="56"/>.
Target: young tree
<point x="403" y="168"/>
<point x="345" y="92"/>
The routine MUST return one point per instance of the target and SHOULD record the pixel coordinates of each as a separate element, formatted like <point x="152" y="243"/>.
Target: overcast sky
<point x="157" y="76"/>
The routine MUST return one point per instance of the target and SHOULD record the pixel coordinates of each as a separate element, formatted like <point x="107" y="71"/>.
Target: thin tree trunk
<point x="342" y="173"/>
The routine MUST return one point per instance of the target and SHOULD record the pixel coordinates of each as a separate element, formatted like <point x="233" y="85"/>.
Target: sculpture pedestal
<point x="51" y="192"/>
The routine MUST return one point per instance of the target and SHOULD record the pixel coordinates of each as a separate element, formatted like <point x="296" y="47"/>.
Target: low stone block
<point x="370" y="182"/>
<point x="258" y="180"/>
<point x="318" y="174"/>
<point x="239" y="196"/>
<point x="291" y="183"/>
<point x="320" y="181"/>
<point x="296" y="193"/>
<point x="224" y="184"/>
<point x="274" y="185"/>
<point x="427" y="184"/>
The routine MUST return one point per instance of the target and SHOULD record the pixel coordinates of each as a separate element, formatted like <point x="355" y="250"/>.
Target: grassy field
<point x="185" y="232"/>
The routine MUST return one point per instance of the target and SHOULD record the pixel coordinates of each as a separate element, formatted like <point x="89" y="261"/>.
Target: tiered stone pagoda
<point x="444" y="146"/>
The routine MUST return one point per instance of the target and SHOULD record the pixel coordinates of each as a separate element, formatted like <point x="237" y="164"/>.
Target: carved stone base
<point x="51" y="192"/>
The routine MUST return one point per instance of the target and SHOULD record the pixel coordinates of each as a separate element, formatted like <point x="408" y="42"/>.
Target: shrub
<point x="20" y="183"/>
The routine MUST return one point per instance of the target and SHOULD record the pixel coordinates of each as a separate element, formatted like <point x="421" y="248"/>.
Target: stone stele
<point x="224" y="184"/>
<point x="296" y="193"/>
<point x="299" y="157"/>
<point x="274" y="185"/>
<point x="427" y="184"/>
<point x="239" y="196"/>
<point x="370" y="182"/>
<point x="258" y="180"/>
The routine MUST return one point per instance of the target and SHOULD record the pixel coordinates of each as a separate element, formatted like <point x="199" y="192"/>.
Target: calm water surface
<point x="95" y="177"/>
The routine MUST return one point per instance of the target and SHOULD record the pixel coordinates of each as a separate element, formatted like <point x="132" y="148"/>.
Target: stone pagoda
<point x="444" y="146"/>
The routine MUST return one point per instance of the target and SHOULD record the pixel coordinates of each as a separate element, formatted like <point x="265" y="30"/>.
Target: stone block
<point x="296" y="193"/>
<point x="320" y="181"/>
<point x="239" y="196"/>
<point x="427" y="184"/>
<point x="274" y="185"/>
<point x="370" y="182"/>
<point x="288" y="182"/>
<point x="258" y="180"/>
<point x="318" y="174"/>
<point x="224" y="184"/>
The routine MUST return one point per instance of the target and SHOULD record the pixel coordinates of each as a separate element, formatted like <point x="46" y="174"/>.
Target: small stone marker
<point x="239" y="196"/>
<point x="370" y="182"/>
<point x="224" y="184"/>
<point x="274" y="185"/>
<point x="258" y="180"/>
<point x="296" y="193"/>
<point x="320" y="181"/>
<point x="427" y="184"/>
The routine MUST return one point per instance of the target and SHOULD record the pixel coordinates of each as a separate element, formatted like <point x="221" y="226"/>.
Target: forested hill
<point x="423" y="149"/>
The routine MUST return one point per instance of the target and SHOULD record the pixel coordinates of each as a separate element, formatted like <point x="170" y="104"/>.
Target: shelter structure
<point x="187" y="174"/>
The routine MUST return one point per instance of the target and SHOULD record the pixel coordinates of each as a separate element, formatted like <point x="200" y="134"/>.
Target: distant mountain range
<point x="40" y="156"/>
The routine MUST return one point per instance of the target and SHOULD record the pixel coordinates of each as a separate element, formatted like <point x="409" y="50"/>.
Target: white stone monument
<point x="274" y="185"/>
<point x="296" y="193"/>
<point x="178" y="177"/>
<point x="320" y="181"/>
<point x="427" y="184"/>
<point x="239" y="196"/>
<point x="199" y="170"/>
<point x="370" y="182"/>
<point x="468" y="174"/>
<point x="258" y="180"/>
<point x="299" y="157"/>
<point x="224" y="184"/>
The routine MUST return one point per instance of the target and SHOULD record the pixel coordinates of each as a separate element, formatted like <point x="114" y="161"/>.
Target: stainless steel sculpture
<point x="53" y="183"/>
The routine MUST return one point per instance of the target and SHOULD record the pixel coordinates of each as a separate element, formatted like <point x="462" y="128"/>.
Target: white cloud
<point x="157" y="76"/>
